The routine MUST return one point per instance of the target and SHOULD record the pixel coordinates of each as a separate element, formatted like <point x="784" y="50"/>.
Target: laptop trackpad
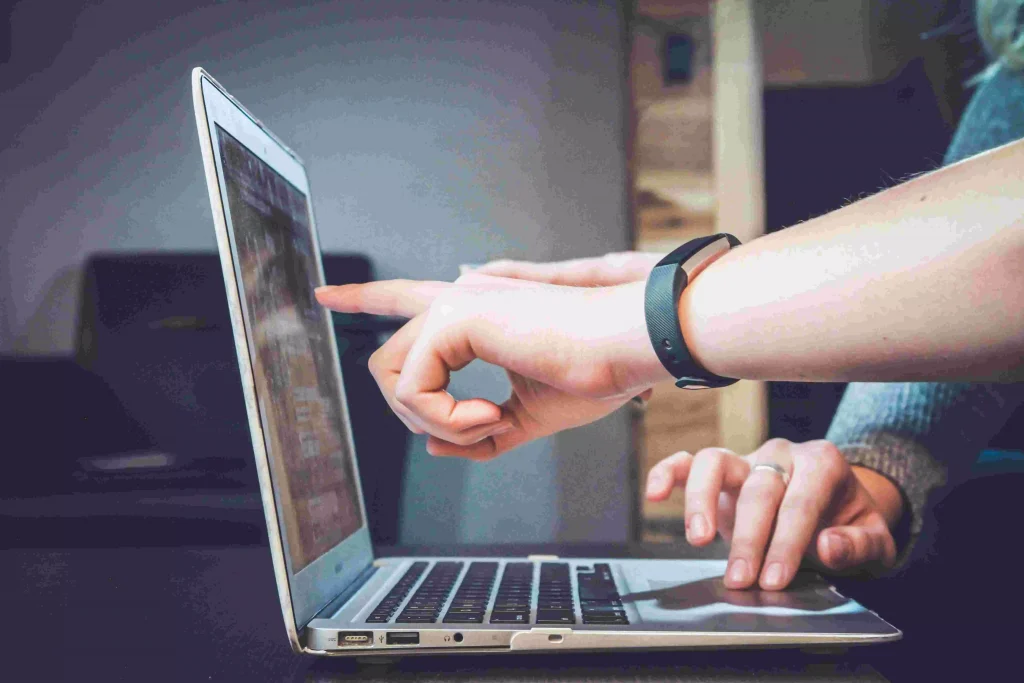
<point x="693" y="593"/>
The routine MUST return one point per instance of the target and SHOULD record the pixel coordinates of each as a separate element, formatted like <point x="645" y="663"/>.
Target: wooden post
<point x="697" y="167"/>
<point x="738" y="154"/>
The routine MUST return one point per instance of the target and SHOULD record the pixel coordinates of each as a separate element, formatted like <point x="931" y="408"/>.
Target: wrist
<point x="883" y="491"/>
<point x="632" y="356"/>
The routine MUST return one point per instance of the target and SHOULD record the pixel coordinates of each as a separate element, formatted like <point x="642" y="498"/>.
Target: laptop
<point x="336" y="597"/>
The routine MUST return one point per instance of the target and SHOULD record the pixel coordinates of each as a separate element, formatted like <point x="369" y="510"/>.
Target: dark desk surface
<point x="203" y="614"/>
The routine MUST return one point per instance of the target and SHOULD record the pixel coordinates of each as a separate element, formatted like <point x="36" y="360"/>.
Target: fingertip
<point x="329" y="295"/>
<point x="834" y="549"/>
<point x="738" y="575"/>
<point x="698" y="530"/>
<point x="774" y="577"/>
<point x="322" y="293"/>
<point x="655" y="495"/>
<point x="658" y="485"/>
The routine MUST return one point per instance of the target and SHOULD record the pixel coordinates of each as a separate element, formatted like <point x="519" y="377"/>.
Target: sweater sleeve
<point x="920" y="435"/>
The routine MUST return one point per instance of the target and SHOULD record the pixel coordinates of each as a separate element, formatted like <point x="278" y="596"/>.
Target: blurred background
<point x="435" y="133"/>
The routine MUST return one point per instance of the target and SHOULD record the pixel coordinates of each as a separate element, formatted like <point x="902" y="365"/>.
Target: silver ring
<point x="772" y="467"/>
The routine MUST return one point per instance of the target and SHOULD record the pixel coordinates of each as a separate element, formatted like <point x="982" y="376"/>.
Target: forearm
<point x="922" y="281"/>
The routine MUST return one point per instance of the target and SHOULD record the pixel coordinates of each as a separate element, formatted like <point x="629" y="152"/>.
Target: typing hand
<point x="604" y="271"/>
<point x="573" y="355"/>
<point x="837" y="515"/>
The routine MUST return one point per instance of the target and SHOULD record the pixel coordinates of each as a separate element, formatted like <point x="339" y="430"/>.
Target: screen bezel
<point x="305" y="592"/>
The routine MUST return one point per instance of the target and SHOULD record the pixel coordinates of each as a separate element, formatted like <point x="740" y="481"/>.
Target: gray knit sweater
<point x="926" y="435"/>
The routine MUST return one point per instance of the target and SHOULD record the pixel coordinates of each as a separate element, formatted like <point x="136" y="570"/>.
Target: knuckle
<point x="674" y="459"/>
<point x="662" y="465"/>
<point x="404" y="394"/>
<point x="829" y="455"/>
<point x="374" y="363"/>
<point x="778" y="443"/>
<point x="825" y="461"/>
<point x="714" y="456"/>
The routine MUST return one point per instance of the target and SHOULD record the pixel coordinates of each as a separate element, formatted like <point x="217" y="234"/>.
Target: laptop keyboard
<point x="470" y="602"/>
<point x="514" y="601"/>
<point x="396" y="596"/>
<point x="599" y="600"/>
<point x="430" y="597"/>
<point x="515" y="595"/>
<point x="554" y="599"/>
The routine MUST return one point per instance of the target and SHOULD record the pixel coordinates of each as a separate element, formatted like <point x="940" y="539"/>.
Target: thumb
<point x="847" y="547"/>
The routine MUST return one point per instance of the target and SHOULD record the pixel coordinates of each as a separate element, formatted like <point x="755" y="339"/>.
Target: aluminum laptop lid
<point x="287" y="356"/>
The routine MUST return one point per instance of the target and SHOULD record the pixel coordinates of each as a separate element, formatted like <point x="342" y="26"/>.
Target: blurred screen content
<point x="292" y="357"/>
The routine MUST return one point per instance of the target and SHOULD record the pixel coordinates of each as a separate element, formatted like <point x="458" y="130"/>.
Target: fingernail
<point x="738" y="571"/>
<point x="698" y="526"/>
<point x="322" y="288"/>
<point x="838" y="548"/>
<point x="773" y="575"/>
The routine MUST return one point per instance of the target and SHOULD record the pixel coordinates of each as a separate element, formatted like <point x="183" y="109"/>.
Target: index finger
<point x="404" y="298"/>
<point x="603" y="271"/>
<point x="564" y="273"/>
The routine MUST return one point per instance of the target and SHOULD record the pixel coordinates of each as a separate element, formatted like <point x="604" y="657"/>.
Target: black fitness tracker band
<point x="665" y="284"/>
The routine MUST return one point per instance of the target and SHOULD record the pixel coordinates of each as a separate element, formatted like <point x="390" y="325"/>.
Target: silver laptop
<point x="336" y="597"/>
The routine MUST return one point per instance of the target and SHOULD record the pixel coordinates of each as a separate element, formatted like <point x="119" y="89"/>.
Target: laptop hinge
<point x="336" y="604"/>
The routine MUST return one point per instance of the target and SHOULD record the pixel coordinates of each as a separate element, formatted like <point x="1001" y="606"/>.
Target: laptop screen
<point x="291" y="352"/>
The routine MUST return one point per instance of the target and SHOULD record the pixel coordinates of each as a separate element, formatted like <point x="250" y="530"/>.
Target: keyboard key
<point x="605" y="619"/>
<point x="601" y="607"/>
<point x="603" y="592"/>
<point x="510" y="617"/>
<point x="473" y="618"/>
<point x="555" y="616"/>
<point x="405" y="619"/>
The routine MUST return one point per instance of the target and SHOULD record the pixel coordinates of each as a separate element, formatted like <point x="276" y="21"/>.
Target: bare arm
<point x="921" y="281"/>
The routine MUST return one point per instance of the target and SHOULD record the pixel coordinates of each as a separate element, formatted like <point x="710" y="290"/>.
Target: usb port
<point x="404" y="638"/>
<point x="355" y="638"/>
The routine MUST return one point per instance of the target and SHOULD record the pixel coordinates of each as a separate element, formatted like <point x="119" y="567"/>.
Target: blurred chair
<point x="152" y="404"/>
